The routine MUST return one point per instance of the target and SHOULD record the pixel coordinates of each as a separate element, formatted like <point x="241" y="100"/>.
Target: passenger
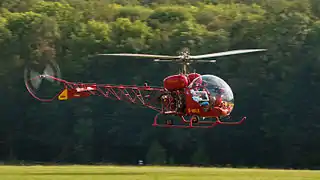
<point x="200" y="97"/>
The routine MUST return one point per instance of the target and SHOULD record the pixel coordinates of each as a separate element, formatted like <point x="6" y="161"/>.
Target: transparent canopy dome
<point x="215" y="86"/>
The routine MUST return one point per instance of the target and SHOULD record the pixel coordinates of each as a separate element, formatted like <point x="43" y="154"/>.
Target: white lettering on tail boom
<point x="85" y="89"/>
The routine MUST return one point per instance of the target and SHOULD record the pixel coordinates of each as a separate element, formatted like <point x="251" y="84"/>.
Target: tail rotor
<point x="38" y="79"/>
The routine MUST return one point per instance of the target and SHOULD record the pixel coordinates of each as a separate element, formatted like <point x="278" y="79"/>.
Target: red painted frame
<point x="143" y="95"/>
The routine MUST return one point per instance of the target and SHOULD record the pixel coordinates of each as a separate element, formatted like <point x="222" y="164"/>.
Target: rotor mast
<point x="184" y="68"/>
<point x="185" y="57"/>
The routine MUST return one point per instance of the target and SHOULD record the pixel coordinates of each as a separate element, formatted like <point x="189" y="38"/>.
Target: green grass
<point x="148" y="173"/>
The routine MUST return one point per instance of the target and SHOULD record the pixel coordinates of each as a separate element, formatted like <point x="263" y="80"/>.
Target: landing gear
<point x="193" y="122"/>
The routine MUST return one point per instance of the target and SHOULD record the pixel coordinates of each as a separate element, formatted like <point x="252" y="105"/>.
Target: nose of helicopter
<point x="218" y="89"/>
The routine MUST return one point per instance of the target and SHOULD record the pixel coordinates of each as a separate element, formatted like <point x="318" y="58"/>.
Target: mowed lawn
<point x="148" y="173"/>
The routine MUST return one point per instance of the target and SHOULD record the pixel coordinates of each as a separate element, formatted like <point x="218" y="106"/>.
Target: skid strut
<point x="191" y="124"/>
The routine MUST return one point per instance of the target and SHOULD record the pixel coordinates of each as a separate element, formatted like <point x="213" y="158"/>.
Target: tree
<point x="156" y="154"/>
<point x="199" y="157"/>
<point x="276" y="90"/>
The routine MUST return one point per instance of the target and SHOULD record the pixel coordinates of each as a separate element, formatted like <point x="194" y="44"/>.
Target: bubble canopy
<point x="215" y="86"/>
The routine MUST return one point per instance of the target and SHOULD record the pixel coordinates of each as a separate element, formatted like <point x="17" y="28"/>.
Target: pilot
<point x="217" y="98"/>
<point x="201" y="97"/>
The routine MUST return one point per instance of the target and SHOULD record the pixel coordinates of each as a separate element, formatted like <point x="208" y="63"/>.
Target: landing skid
<point x="193" y="123"/>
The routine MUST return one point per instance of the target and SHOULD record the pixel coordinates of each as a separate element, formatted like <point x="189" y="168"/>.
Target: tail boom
<point x="142" y="95"/>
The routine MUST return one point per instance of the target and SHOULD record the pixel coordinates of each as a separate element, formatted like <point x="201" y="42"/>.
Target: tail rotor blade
<point x="48" y="71"/>
<point x="36" y="81"/>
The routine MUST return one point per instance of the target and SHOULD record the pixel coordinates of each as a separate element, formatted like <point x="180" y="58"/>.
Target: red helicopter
<point x="201" y="101"/>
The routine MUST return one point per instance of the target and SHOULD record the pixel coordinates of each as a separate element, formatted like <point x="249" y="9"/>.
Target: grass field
<point x="148" y="173"/>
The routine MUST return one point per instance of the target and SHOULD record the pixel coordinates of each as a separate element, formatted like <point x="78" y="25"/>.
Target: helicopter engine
<point x="176" y="84"/>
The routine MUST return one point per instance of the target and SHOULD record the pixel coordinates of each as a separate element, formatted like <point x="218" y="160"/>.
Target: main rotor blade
<point x="141" y="55"/>
<point x="205" y="61"/>
<point x="167" y="60"/>
<point x="226" y="53"/>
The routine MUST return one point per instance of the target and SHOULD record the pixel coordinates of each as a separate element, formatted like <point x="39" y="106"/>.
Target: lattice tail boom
<point x="141" y="95"/>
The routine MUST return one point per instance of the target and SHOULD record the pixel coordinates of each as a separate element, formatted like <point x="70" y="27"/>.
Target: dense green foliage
<point x="276" y="90"/>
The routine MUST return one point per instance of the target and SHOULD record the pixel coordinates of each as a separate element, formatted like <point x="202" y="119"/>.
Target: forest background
<point x="276" y="90"/>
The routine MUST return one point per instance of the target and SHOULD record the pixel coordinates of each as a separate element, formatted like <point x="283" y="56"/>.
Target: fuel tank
<point x="192" y="76"/>
<point x="174" y="82"/>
